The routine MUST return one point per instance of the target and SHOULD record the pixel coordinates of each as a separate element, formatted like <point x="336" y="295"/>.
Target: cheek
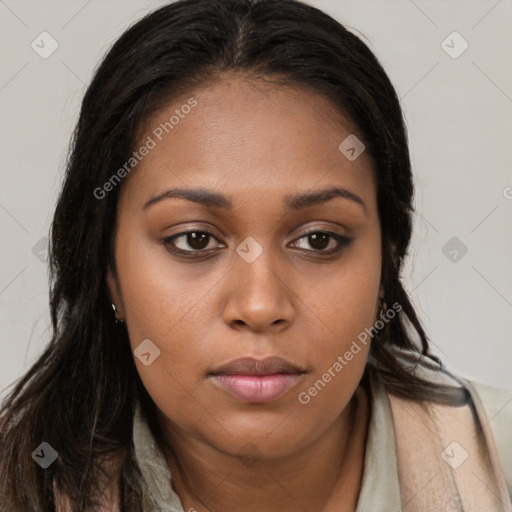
<point x="344" y="309"/>
<point x="345" y="300"/>
<point x="159" y="304"/>
<point x="340" y="354"/>
<point x="159" y="295"/>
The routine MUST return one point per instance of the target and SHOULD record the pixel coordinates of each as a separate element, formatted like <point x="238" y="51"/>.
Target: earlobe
<point x="114" y="294"/>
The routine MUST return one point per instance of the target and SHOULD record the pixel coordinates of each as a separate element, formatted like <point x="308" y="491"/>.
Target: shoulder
<point x="497" y="403"/>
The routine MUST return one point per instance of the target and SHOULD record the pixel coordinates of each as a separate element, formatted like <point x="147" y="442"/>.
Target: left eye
<point x="320" y="240"/>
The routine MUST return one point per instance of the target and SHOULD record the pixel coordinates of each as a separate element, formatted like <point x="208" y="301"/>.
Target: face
<point x="258" y="264"/>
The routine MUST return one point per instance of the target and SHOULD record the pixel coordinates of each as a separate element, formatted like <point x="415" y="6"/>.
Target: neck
<point x="325" y="475"/>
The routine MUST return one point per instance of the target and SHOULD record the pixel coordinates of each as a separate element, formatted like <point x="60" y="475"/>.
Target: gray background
<point x="458" y="112"/>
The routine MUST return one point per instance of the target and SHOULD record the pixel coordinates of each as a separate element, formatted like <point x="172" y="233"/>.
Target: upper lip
<point x="251" y="366"/>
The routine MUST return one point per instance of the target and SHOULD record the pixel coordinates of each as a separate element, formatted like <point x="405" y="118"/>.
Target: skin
<point x="255" y="143"/>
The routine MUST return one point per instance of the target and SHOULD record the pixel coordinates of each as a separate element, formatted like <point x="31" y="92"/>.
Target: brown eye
<point x="189" y="241"/>
<point x="321" y="240"/>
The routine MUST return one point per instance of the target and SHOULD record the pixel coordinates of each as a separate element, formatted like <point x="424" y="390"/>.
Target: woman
<point x="230" y="328"/>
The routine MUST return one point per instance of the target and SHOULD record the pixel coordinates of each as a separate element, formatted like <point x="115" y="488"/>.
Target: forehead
<point x="243" y="137"/>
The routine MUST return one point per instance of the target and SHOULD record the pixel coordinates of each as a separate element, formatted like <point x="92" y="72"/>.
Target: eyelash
<point x="341" y="240"/>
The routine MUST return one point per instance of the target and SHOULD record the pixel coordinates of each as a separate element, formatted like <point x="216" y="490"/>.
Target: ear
<point x="114" y="293"/>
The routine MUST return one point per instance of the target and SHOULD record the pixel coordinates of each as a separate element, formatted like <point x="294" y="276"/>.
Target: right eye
<point x="195" y="239"/>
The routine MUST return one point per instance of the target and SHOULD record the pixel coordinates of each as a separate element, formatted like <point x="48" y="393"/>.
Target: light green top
<point x="380" y="490"/>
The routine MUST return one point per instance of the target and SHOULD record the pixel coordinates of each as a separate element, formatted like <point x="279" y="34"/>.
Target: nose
<point x="260" y="295"/>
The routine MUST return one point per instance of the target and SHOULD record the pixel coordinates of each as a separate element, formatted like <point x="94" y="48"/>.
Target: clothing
<point x="382" y="481"/>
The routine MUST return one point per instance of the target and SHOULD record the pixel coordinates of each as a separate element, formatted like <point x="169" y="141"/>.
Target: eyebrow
<point x="212" y="199"/>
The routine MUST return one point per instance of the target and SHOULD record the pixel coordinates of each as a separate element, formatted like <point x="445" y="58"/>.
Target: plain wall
<point x="458" y="112"/>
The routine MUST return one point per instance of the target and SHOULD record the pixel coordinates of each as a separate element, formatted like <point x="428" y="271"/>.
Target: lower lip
<point x="257" y="388"/>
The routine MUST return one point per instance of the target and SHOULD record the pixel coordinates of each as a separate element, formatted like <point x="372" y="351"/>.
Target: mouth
<point x="257" y="381"/>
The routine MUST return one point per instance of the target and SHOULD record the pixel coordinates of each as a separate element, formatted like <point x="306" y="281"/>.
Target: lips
<point x="252" y="366"/>
<point x="257" y="381"/>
